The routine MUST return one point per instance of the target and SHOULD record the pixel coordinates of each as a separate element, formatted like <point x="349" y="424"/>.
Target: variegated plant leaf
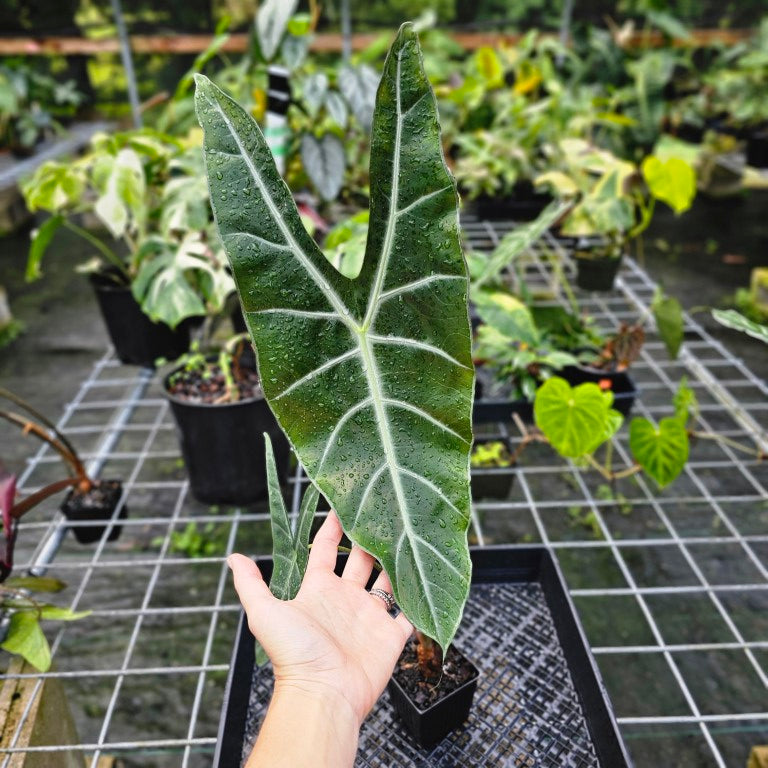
<point x="370" y="378"/>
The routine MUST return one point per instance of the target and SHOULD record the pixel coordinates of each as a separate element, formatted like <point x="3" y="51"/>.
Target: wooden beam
<point x="325" y="43"/>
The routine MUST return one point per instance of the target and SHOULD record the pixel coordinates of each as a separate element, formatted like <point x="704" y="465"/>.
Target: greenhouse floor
<point x="671" y="586"/>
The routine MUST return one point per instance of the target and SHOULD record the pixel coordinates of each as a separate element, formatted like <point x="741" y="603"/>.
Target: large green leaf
<point x="673" y="181"/>
<point x="575" y="420"/>
<point x="661" y="451"/>
<point x="370" y="378"/>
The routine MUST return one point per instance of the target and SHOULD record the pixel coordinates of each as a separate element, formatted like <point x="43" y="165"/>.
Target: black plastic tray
<point x="540" y="700"/>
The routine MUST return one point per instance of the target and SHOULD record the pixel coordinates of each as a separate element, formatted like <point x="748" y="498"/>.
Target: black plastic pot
<point x="492" y="482"/>
<point x="523" y="204"/>
<point x="757" y="149"/>
<point x="596" y="273"/>
<point x="495" y="408"/>
<point x="98" y="505"/>
<point x="223" y="448"/>
<point x="431" y="725"/>
<point x="137" y="339"/>
<point x="623" y="388"/>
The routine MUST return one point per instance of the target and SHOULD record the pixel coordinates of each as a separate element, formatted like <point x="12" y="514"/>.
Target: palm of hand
<point x="333" y="638"/>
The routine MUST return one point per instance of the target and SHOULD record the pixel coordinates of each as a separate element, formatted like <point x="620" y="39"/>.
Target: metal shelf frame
<point x="144" y="672"/>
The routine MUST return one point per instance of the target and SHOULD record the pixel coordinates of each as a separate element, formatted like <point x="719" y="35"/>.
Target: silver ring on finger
<point x="389" y="599"/>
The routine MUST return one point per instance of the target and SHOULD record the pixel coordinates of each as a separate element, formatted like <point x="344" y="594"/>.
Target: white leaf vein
<point x="402" y="341"/>
<point x="350" y="353"/>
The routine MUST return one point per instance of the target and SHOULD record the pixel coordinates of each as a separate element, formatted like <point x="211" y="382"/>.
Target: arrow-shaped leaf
<point x="370" y="378"/>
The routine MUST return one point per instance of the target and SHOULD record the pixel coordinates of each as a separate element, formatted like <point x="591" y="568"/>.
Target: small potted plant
<point x="218" y="404"/>
<point x="614" y="201"/>
<point x="158" y="264"/>
<point x="491" y="461"/>
<point x="513" y="356"/>
<point x="88" y="500"/>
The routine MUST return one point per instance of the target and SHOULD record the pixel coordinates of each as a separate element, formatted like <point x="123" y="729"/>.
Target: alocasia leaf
<point x="370" y="378"/>
<point x="575" y="420"/>
<point x="661" y="451"/>
<point x="271" y="22"/>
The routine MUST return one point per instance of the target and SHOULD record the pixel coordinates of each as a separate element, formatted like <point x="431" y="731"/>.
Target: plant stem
<point x="35" y="498"/>
<point x="105" y="251"/>
<point x="599" y="467"/>
<point x="74" y="458"/>
<point x="63" y="450"/>
<point x="758" y="454"/>
<point x="430" y="657"/>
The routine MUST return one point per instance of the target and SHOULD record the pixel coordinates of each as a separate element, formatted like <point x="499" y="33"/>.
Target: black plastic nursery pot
<point x="97" y="506"/>
<point x="496" y="407"/>
<point x="492" y="482"/>
<point x="431" y="724"/>
<point x="223" y="448"/>
<point x="137" y="339"/>
<point x="619" y="382"/>
<point x="523" y="204"/>
<point x="596" y="273"/>
<point x="539" y="699"/>
<point x="757" y="148"/>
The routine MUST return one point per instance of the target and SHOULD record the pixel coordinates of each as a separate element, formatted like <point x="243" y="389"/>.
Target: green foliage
<point x="25" y="636"/>
<point x="732" y="319"/>
<point x="29" y="102"/>
<point x="511" y="344"/>
<point x="662" y="450"/>
<point x="344" y="245"/>
<point x="493" y="453"/>
<point x="668" y="315"/>
<point x="148" y="190"/>
<point x="575" y="420"/>
<point x="673" y="181"/>
<point x="375" y="400"/>
<point x="196" y="541"/>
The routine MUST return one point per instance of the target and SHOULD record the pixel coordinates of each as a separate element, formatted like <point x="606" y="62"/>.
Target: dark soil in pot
<point x="222" y="442"/>
<point x="137" y="339"/>
<point x="98" y="504"/>
<point x="431" y="711"/>
<point x="596" y="273"/>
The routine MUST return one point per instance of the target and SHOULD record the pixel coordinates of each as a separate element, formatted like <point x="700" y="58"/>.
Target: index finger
<point x="325" y="547"/>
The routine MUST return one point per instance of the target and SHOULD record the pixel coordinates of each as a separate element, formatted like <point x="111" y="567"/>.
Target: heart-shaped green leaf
<point x="575" y="420"/>
<point x="661" y="451"/>
<point x="370" y="378"/>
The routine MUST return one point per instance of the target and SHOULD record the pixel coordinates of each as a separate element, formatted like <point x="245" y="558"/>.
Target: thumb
<point x="251" y="588"/>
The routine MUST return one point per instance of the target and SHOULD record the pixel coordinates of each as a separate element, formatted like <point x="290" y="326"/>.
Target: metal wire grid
<point x="525" y="711"/>
<point x="145" y="672"/>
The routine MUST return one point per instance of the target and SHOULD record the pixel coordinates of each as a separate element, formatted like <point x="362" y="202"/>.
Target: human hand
<point x="333" y="640"/>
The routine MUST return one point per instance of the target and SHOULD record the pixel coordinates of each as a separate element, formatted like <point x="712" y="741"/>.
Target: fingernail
<point x="229" y="562"/>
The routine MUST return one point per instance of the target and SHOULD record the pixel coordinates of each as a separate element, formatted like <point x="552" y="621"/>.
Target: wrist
<point x="321" y="696"/>
<point x="307" y="726"/>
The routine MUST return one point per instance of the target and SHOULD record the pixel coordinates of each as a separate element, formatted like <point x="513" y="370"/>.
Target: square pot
<point x="99" y="509"/>
<point x="431" y="725"/>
